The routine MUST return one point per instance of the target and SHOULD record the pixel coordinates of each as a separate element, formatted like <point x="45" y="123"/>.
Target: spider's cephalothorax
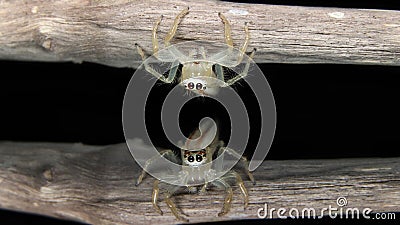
<point x="201" y="74"/>
<point x="196" y="164"/>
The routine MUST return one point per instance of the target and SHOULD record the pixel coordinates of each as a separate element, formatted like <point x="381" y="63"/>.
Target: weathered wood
<point x="104" y="31"/>
<point x="96" y="185"/>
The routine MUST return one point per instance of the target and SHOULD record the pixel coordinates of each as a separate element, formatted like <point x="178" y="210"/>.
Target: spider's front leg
<point x="171" y="189"/>
<point x="221" y="183"/>
<point x="154" y="196"/>
<point x="168" y="154"/>
<point x="245" y="43"/>
<point x="243" y="161"/>
<point x="154" y="40"/>
<point x="242" y="51"/>
<point x="245" y="71"/>
<point x="172" y="72"/>
<point x="171" y="205"/>
<point x="227" y="30"/>
<point x="243" y="189"/>
<point x="174" y="27"/>
<point x="228" y="36"/>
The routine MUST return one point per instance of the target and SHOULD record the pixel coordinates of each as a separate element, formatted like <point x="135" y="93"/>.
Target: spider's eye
<point x="190" y="85"/>
<point x="199" y="158"/>
<point x="191" y="158"/>
<point x="199" y="86"/>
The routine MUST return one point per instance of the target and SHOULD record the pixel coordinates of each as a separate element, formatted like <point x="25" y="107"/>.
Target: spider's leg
<point x="172" y="72"/>
<point x="243" y="160"/>
<point x="171" y="205"/>
<point x="221" y="183"/>
<point x="245" y="43"/>
<point x="174" y="66"/>
<point x="228" y="36"/>
<point x="140" y="51"/>
<point x="243" y="189"/>
<point x="221" y="56"/>
<point x="244" y="72"/>
<point x="167" y="42"/>
<point x="154" y="196"/>
<point x="152" y="71"/>
<point x="174" y="27"/>
<point x="147" y="67"/>
<point x="154" y="39"/>
<point x="168" y="154"/>
<point x="203" y="189"/>
<point x="220" y="72"/>
<point x="227" y="28"/>
<point x="232" y="177"/>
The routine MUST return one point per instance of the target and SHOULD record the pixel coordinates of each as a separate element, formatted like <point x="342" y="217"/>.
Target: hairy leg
<point x="220" y="72"/>
<point x="148" y="68"/>
<point x="228" y="36"/>
<point x="228" y="198"/>
<point x="174" y="27"/>
<point x="175" y="64"/>
<point x="168" y="154"/>
<point x="245" y="71"/>
<point x="245" y="43"/>
<point x="227" y="30"/>
<point x="243" y="189"/>
<point x="243" y="161"/>
<point x="154" y="39"/>
<point x="203" y="189"/>
<point x="154" y="196"/>
<point x="171" y="205"/>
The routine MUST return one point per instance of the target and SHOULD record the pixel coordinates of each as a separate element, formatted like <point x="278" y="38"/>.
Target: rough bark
<point x="96" y="185"/>
<point x="104" y="31"/>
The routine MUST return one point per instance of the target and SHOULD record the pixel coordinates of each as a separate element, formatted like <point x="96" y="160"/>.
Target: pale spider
<point x="200" y="75"/>
<point x="191" y="161"/>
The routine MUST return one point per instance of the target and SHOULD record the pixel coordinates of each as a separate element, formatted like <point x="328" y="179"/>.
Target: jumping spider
<point x="202" y="74"/>
<point x="191" y="160"/>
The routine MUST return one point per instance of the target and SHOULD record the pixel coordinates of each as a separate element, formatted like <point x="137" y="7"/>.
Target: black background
<point x="324" y="111"/>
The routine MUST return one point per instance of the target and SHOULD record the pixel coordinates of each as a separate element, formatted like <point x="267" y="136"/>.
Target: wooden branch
<point x="96" y="185"/>
<point x="104" y="31"/>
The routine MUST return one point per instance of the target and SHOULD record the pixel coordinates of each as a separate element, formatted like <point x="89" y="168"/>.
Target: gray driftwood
<point x="96" y="185"/>
<point x="105" y="31"/>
